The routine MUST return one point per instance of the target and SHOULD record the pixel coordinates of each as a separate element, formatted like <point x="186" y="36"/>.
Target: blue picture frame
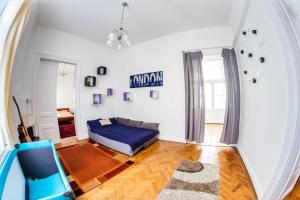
<point x="151" y="79"/>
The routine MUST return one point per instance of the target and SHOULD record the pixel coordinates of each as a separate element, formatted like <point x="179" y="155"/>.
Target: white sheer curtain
<point x="13" y="23"/>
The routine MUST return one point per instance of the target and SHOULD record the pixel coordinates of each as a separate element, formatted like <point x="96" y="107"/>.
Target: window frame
<point x="213" y="82"/>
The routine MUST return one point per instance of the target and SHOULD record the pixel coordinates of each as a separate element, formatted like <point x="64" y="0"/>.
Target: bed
<point x="64" y="115"/>
<point x="122" y="137"/>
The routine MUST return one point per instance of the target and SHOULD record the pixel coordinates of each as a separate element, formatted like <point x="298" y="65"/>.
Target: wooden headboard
<point x="60" y="109"/>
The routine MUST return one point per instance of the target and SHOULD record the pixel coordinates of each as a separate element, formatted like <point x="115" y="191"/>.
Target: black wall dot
<point x="262" y="59"/>
<point x="254" y="31"/>
<point x="254" y="80"/>
<point x="244" y="33"/>
<point x="250" y="55"/>
<point x="242" y="51"/>
<point x="245" y="72"/>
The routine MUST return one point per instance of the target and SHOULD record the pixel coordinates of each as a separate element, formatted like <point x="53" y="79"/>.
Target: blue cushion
<point x="95" y="124"/>
<point x="113" y="120"/>
<point x="38" y="163"/>
<point x="51" y="186"/>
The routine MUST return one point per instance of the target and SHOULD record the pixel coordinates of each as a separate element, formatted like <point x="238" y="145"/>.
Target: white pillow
<point x="104" y="122"/>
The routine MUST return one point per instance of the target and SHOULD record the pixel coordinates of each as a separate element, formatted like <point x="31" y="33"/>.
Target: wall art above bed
<point x="151" y="79"/>
<point x="127" y="96"/>
<point x="97" y="99"/>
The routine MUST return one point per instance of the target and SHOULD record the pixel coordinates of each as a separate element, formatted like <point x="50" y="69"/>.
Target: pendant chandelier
<point x="119" y="37"/>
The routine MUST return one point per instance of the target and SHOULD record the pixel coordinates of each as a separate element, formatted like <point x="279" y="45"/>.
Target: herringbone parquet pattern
<point x="147" y="177"/>
<point x="155" y="165"/>
<point x="295" y="194"/>
<point x="235" y="182"/>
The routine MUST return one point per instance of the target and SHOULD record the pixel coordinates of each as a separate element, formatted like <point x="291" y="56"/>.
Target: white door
<point x="46" y="101"/>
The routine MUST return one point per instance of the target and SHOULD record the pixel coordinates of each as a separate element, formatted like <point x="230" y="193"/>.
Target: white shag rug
<point x="193" y="180"/>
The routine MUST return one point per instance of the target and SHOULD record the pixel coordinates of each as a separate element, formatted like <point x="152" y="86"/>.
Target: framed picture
<point x="127" y="96"/>
<point x="97" y="98"/>
<point x="151" y="79"/>
<point x="109" y="92"/>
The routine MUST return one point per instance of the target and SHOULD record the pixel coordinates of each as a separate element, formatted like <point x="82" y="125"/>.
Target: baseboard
<point x="82" y="137"/>
<point x="251" y="172"/>
<point x="172" y="140"/>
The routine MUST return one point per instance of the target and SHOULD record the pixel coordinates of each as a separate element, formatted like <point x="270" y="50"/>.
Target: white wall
<point x="66" y="86"/>
<point x="87" y="55"/>
<point x="163" y="54"/>
<point x="237" y="11"/>
<point x="264" y="106"/>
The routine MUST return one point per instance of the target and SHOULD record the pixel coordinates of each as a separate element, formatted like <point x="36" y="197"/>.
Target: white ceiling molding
<point x="145" y="20"/>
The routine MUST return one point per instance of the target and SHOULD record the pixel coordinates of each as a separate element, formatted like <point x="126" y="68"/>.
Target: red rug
<point x="87" y="166"/>
<point x="67" y="130"/>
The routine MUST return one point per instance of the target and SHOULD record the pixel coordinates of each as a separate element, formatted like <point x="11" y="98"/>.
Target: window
<point x="7" y="12"/>
<point x="208" y="95"/>
<point x="3" y="4"/>
<point x="214" y="83"/>
<point x="219" y="95"/>
<point x="3" y="143"/>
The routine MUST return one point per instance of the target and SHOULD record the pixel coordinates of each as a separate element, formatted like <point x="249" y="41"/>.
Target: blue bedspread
<point x="134" y="137"/>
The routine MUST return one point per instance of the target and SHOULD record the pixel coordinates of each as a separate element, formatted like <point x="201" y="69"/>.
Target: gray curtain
<point x="194" y="96"/>
<point x="230" y="133"/>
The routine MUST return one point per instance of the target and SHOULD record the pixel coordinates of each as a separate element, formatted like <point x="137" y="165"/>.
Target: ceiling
<point x="144" y="19"/>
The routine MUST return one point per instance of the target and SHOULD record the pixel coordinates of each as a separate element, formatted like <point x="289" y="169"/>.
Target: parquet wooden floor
<point x="295" y="194"/>
<point x="155" y="165"/>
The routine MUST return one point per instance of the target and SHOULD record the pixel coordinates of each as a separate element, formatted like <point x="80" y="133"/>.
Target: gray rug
<point x="193" y="180"/>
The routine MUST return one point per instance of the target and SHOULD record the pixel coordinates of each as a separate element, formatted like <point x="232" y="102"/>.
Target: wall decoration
<point x="151" y="79"/>
<point x="97" y="98"/>
<point x="109" y="92"/>
<point x="101" y="70"/>
<point x="90" y="81"/>
<point x="262" y="59"/>
<point x="127" y="96"/>
<point x="154" y="94"/>
<point x="254" y="78"/>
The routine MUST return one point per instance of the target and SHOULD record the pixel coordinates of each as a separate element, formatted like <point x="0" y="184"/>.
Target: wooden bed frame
<point x="65" y="119"/>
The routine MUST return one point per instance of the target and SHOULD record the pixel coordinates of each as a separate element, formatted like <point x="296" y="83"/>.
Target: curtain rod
<point x="193" y="50"/>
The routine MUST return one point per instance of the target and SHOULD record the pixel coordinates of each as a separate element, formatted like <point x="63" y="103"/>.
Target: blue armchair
<point x="33" y="171"/>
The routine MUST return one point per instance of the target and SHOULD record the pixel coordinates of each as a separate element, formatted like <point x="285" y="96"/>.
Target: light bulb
<point x="110" y="43"/>
<point x="119" y="46"/>
<point x="112" y="36"/>
<point x="128" y="43"/>
<point x="126" y="40"/>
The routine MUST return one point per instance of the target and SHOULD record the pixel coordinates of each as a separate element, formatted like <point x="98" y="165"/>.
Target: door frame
<point x="77" y="80"/>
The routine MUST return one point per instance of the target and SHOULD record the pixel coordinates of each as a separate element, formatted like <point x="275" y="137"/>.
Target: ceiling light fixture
<point x="119" y="37"/>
